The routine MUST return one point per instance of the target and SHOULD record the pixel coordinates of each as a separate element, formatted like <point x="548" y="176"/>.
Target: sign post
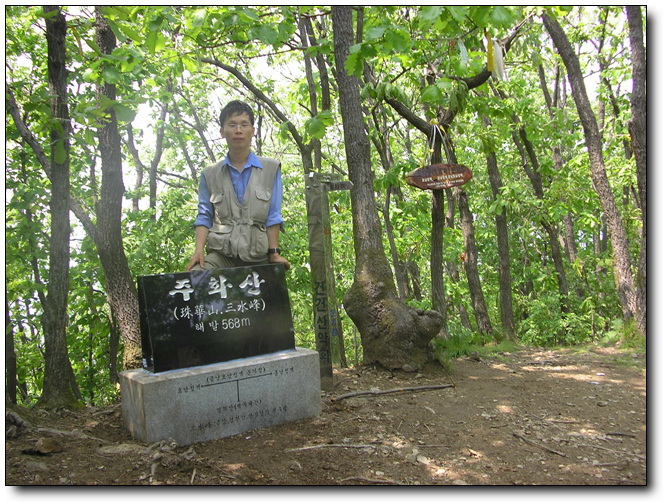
<point x="326" y="318"/>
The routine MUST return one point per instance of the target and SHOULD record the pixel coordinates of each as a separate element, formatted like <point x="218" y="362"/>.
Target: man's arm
<point x="202" y="224"/>
<point x="275" y="221"/>
<point x="199" y="253"/>
<point x="274" y="214"/>
<point x="273" y="242"/>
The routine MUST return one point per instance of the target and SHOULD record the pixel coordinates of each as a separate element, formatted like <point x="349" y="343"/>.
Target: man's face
<point x="238" y="131"/>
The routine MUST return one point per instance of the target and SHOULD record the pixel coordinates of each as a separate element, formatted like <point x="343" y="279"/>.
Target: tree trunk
<point x="380" y="139"/>
<point x="504" y="267"/>
<point x="393" y="334"/>
<point x="471" y="263"/>
<point x="451" y="265"/>
<point x="438" y="295"/>
<point x="399" y="266"/>
<point x="160" y="131"/>
<point x="526" y="150"/>
<point x="154" y="163"/>
<point x="621" y="258"/>
<point x="57" y="391"/>
<point x="550" y="228"/>
<point x="637" y="128"/>
<point x="120" y="287"/>
<point x="10" y="357"/>
<point x="570" y="247"/>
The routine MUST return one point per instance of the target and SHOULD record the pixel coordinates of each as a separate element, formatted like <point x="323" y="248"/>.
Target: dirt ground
<point x="533" y="417"/>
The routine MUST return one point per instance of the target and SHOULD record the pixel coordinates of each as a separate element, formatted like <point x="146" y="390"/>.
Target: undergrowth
<point x="622" y="335"/>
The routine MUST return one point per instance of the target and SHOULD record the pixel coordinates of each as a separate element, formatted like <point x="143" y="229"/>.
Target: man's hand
<point x="277" y="258"/>
<point x="197" y="258"/>
<point x="199" y="253"/>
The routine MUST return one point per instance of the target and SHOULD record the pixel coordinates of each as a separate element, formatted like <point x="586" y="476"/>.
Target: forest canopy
<point x="112" y="114"/>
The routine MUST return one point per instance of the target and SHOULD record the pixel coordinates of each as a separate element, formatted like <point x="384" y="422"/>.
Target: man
<point x="239" y="201"/>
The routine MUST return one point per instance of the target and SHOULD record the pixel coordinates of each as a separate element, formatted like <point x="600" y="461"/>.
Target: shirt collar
<point x="251" y="161"/>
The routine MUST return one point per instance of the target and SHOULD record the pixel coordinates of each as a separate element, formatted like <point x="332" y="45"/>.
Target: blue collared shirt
<point x="239" y="181"/>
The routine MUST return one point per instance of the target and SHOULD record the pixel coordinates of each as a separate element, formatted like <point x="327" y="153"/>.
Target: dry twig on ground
<point x="391" y="391"/>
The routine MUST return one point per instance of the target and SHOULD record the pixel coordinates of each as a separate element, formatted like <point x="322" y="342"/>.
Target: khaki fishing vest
<point x="238" y="230"/>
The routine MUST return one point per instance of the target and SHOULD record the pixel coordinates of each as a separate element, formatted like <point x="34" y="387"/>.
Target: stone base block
<point x="220" y="400"/>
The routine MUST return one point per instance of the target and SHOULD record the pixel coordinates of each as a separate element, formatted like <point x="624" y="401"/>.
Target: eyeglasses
<point x="244" y="126"/>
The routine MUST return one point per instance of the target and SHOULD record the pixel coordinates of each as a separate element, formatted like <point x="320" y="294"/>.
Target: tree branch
<point x="260" y="95"/>
<point x="75" y="205"/>
<point x="471" y="82"/>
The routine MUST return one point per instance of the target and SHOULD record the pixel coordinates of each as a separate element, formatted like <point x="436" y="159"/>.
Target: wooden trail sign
<point x="326" y="317"/>
<point x="439" y="176"/>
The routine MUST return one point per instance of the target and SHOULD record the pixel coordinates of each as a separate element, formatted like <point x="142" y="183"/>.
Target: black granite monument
<point x="210" y="316"/>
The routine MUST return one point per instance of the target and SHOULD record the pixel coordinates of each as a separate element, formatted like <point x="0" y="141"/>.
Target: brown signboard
<point x="439" y="176"/>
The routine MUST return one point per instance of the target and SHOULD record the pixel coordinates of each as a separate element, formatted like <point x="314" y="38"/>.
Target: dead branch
<point x="76" y="434"/>
<point x="333" y="446"/>
<point x="374" y="481"/>
<point x="613" y="451"/>
<point x="390" y="391"/>
<point x="620" y="434"/>
<point x="539" y="445"/>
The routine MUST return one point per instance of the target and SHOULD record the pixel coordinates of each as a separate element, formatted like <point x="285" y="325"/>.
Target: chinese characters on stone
<point x="220" y="286"/>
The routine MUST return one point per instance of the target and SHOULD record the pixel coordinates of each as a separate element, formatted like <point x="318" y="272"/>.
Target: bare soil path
<point x="532" y="417"/>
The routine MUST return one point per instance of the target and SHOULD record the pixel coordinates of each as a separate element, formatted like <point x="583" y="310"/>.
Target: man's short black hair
<point x="235" y="108"/>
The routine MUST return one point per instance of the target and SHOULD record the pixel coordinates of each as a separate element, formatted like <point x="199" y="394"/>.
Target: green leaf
<point x="429" y="13"/>
<point x="59" y="154"/>
<point x="151" y="40"/>
<point x="88" y="136"/>
<point x="431" y="94"/>
<point x="368" y="51"/>
<point x="189" y="64"/>
<point x="118" y="33"/>
<point x="160" y="42"/>
<point x="94" y="46"/>
<point x="268" y="35"/>
<point x="123" y="113"/>
<point x="398" y="39"/>
<point x="155" y="24"/>
<point x="458" y="12"/>
<point x="131" y="33"/>
<point x="111" y="75"/>
<point x="89" y="75"/>
<point x="355" y="64"/>
<point x="375" y="33"/>
<point x="562" y="10"/>
<point x="284" y="132"/>
<point x="199" y="18"/>
<point x="316" y="128"/>
<point x="501" y="17"/>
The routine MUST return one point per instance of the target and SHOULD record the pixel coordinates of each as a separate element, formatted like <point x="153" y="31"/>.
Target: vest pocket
<point x="262" y="202"/>
<point x="217" y="200"/>
<point x="219" y="239"/>
<point x="258" y="243"/>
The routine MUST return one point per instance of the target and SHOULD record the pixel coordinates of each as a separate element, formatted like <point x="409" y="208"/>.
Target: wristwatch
<point x="274" y="250"/>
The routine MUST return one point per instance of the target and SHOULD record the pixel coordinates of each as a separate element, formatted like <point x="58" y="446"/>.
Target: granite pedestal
<point x="223" y="399"/>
